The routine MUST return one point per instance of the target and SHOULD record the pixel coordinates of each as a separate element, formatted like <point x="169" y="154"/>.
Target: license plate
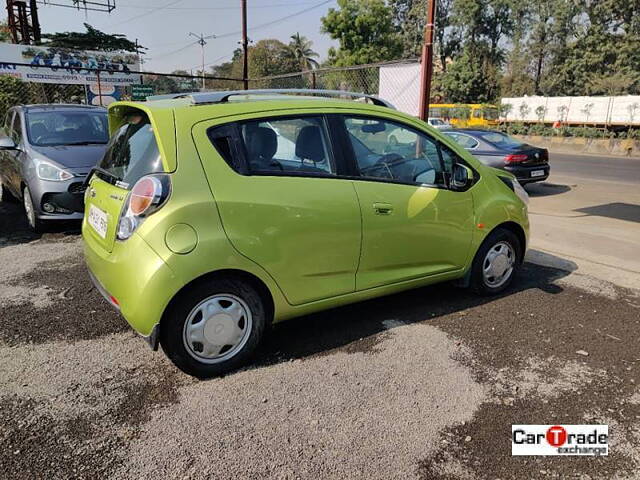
<point x="537" y="173"/>
<point x="98" y="220"/>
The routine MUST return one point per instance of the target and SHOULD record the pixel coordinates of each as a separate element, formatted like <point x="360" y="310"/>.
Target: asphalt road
<point x="615" y="169"/>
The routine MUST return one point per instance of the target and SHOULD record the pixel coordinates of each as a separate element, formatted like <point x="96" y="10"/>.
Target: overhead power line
<point x="274" y="5"/>
<point x="153" y="10"/>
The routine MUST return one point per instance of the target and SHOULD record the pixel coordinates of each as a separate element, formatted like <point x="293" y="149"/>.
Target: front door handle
<point x="382" y="208"/>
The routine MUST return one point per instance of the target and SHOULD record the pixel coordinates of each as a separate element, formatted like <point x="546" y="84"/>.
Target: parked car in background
<point x="278" y="207"/>
<point x="499" y="150"/>
<point x="439" y="123"/>
<point x="46" y="152"/>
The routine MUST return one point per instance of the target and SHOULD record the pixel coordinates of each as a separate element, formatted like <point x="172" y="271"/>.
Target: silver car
<point x="46" y="151"/>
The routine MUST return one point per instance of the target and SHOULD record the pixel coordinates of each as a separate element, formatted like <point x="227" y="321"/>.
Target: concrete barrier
<point x="594" y="146"/>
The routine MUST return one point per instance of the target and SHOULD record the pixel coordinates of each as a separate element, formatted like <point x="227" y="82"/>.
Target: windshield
<point x="133" y="152"/>
<point x="436" y="121"/>
<point x="67" y="128"/>
<point x="499" y="139"/>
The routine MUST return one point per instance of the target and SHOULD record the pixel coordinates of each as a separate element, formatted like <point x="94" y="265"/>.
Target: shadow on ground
<point x="546" y="189"/>
<point x="618" y="210"/>
<point x="14" y="228"/>
<point x="355" y="328"/>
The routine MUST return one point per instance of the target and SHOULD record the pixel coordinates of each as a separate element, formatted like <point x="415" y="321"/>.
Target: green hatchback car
<point x="214" y="214"/>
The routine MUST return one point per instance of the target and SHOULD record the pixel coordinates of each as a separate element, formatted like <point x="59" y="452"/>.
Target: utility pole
<point x="426" y="69"/>
<point x="245" y="46"/>
<point x="202" y="42"/>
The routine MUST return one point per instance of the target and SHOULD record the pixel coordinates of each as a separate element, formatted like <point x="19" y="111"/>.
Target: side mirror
<point x="462" y="177"/>
<point x="7" y="143"/>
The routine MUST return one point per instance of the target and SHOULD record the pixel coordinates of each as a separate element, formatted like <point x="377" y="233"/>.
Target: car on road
<point x="45" y="153"/>
<point x="499" y="150"/>
<point x="214" y="214"/>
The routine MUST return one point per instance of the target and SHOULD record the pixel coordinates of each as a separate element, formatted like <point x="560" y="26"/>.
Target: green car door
<point x="276" y="186"/>
<point x="413" y="226"/>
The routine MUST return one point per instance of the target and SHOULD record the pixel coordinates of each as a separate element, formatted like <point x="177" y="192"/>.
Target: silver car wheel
<point x="217" y="328"/>
<point x="28" y="207"/>
<point x="498" y="265"/>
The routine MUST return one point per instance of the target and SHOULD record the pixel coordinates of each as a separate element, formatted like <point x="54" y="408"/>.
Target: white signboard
<point x="400" y="85"/>
<point x="63" y="65"/>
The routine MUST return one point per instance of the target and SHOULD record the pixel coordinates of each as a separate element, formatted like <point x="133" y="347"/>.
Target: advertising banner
<point x="63" y="65"/>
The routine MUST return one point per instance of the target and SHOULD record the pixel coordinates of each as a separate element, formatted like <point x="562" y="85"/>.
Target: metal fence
<point x="13" y="91"/>
<point x="359" y="78"/>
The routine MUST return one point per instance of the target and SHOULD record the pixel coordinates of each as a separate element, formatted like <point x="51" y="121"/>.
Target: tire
<point x="487" y="279"/>
<point x="5" y="194"/>
<point x="29" y="210"/>
<point x="239" y="320"/>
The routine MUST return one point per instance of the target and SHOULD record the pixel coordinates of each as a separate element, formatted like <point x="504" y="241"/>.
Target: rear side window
<point x="133" y="151"/>
<point x="464" y="141"/>
<point x="276" y="146"/>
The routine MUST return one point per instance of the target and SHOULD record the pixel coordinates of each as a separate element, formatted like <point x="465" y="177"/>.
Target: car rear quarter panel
<point x="192" y="203"/>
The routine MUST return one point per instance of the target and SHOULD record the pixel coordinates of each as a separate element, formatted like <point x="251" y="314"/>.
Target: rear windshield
<point x="133" y="152"/>
<point x="67" y="128"/>
<point x="500" y="140"/>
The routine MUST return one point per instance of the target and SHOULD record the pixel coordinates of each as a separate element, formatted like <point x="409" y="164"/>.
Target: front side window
<point x="133" y="151"/>
<point x="287" y="145"/>
<point x="46" y="129"/>
<point x="392" y="151"/>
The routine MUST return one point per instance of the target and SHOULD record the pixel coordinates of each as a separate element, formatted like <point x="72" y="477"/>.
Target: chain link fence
<point x="103" y="89"/>
<point x="14" y="91"/>
<point x="359" y="78"/>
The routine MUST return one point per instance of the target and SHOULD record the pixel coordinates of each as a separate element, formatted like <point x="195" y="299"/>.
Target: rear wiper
<point x="103" y="172"/>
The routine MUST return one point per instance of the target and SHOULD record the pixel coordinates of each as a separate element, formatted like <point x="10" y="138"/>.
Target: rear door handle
<point x="382" y="208"/>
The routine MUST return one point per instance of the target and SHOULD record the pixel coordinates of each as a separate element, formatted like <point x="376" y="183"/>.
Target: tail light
<point x="147" y="196"/>
<point x="511" y="159"/>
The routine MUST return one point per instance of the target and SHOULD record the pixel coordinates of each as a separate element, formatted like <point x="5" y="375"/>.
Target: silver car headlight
<point x="50" y="172"/>
<point x="520" y="192"/>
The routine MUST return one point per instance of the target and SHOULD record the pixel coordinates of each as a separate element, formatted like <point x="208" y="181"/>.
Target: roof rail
<point x="200" y="98"/>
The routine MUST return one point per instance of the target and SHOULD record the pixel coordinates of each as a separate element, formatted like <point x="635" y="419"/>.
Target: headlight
<point x="48" y="171"/>
<point x="520" y="192"/>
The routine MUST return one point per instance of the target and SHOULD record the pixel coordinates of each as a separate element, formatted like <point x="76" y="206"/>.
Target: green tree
<point x="303" y="54"/>
<point x="409" y="18"/>
<point x="92" y="39"/>
<point x="471" y="78"/>
<point x="5" y="37"/>
<point x="365" y="31"/>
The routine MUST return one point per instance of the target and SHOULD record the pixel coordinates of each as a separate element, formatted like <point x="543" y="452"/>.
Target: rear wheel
<point x="496" y="262"/>
<point x="214" y="327"/>
<point x="29" y="210"/>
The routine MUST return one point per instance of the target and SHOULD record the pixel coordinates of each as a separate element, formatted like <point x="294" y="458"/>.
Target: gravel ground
<point x="425" y="384"/>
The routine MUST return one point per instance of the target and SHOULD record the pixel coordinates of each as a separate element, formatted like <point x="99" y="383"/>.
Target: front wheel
<point x="30" y="212"/>
<point x="214" y="328"/>
<point x="496" y="262"/>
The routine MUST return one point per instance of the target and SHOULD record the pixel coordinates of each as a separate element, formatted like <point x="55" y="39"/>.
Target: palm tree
<point x="301" y="51"/>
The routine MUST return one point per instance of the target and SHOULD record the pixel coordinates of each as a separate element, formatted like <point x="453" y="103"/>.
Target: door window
<point x="287" y="145"/>
<point x="393" y="151"/>
<point x="464" y="141"/>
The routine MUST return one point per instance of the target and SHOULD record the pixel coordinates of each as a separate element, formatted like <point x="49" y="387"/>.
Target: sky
<point x="163" y="26"/>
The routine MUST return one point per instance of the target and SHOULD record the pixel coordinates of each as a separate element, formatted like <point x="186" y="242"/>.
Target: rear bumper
<point x="134" y="279"/>
<point x="526" y="174"/>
